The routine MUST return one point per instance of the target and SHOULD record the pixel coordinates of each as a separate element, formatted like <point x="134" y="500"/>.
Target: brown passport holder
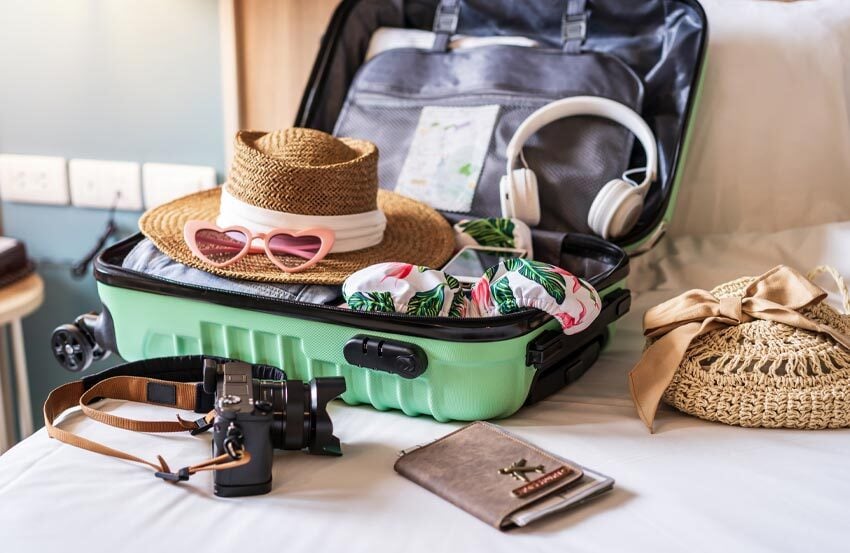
<point x="487" y="472"/>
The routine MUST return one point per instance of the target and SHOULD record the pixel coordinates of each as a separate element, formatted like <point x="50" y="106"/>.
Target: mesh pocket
<point x="572" y="158"/>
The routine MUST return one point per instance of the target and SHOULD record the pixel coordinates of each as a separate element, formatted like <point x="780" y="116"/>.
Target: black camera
<point x="258" y="416"/>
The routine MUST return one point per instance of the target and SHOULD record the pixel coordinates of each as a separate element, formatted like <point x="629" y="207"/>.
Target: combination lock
<point x="406" y="360"/>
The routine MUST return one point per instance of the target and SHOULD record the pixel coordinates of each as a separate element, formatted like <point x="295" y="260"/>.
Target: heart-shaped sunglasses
<point x="287" y="249"/>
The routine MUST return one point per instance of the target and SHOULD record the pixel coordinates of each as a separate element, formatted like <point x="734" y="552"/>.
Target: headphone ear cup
<point x="522" y="201"/>
<point x="615" y="210"/>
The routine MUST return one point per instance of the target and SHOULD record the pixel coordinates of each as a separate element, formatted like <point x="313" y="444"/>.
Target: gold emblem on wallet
<point x="520" y="469"/>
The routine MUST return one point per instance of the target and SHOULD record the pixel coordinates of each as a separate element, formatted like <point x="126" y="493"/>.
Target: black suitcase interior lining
<point x="661" y="41"/>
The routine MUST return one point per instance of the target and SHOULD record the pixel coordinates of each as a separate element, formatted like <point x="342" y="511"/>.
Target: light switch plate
<point x="33" y="179"/>
<point x="164" y="182"/>
<point x="104" y="184"/>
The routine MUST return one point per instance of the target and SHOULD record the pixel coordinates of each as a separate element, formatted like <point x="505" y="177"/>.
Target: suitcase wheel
<point x="74" y="345"/>
<point x="72" y="348"/>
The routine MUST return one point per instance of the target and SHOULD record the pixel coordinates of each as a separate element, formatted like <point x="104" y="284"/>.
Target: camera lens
<point x="300" y="416"/>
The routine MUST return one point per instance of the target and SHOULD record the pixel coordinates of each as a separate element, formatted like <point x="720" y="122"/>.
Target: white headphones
<point x="617" y="207"/>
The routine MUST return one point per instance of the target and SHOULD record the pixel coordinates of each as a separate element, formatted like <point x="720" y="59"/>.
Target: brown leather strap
<point x="222" y="462"/>
<point x="131" y="389"/>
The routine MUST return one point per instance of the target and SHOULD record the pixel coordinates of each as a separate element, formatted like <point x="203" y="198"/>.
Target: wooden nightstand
<point x="18" y="300"/>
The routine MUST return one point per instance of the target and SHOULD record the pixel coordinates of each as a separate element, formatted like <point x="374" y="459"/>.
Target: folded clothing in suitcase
<point x="647" y="56"/>
<point x="146" y="258"/>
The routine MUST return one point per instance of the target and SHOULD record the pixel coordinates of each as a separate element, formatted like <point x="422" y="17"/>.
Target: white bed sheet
<point x="693" y="486"/>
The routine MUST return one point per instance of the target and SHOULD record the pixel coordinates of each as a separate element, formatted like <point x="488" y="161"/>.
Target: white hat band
<point x="353" y="232"/>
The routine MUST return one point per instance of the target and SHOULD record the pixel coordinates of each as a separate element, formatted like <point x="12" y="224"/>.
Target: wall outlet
<point x="33" y="179"/>
<point x="164" y="182"/>
<point x="105" y="184"/>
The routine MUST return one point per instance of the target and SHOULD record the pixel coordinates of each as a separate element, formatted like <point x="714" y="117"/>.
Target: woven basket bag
<point x="767" y="374"/>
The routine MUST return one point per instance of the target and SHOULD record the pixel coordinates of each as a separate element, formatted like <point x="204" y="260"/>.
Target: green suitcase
<point x="450" y="369"/>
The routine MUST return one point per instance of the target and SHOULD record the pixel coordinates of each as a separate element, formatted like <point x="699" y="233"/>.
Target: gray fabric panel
<point x="573" y="158"/>
<point x="146" y="258"/>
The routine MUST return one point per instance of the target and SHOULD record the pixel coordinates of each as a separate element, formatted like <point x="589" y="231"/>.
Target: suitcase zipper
<point x="478" y="329"/>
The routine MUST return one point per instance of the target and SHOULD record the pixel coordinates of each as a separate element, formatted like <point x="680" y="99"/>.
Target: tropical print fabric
<point x="516" y="283"/>
<point x="494" y="232"/>
<point x="404" y="288"/>
<point x="511" y="285"/>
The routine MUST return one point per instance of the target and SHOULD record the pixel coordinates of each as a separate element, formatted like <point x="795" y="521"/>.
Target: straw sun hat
<point x="302" y="172"/>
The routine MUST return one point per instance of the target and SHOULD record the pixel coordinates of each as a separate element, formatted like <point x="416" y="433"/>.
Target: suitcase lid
<point x="662" y="41"/>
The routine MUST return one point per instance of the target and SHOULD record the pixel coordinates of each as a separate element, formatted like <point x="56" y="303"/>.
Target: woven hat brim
<point x="415" y="233"/>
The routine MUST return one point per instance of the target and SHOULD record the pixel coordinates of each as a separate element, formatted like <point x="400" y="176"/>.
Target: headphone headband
<point x="587" y="105"/>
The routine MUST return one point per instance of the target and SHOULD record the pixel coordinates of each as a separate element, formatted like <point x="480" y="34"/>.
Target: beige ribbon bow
<point x="777" y="295"/>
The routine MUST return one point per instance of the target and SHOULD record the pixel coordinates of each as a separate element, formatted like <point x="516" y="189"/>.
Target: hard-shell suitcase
<point x="648" y="54"/>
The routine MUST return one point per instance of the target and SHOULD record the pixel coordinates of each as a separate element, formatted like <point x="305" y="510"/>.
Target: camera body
<point x="257" y="416"/>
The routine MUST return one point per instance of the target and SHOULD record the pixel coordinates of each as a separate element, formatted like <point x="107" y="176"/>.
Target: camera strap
<point x="180" y="389"/>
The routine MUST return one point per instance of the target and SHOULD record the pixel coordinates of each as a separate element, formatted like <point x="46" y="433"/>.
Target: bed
<point x="773" y="135"/>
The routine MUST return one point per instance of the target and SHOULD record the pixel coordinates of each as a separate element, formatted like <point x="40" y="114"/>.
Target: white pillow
<point x="771" y="146"/>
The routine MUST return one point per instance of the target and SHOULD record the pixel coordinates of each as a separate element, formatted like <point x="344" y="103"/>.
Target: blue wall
<point x="100" y="79"/>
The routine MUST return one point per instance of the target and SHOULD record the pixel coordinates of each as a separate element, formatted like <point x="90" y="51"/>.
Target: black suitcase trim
<point x="108" y="270"/>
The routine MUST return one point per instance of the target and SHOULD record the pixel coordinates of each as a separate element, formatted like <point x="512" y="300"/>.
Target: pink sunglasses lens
<point x="218" y="246"/>
<point x="294" y="251"/>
